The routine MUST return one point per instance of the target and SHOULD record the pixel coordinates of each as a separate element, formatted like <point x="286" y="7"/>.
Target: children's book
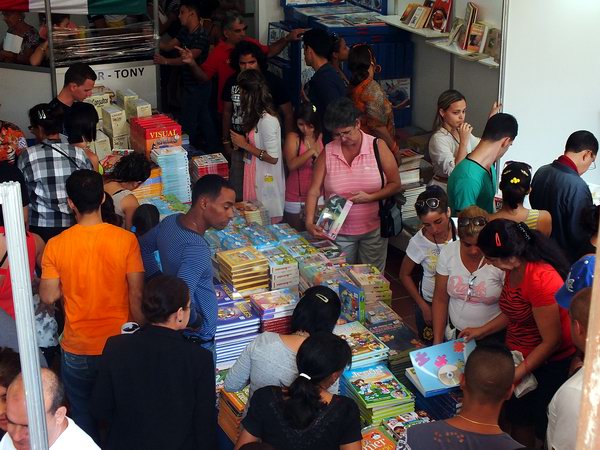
<point x="377" y="312"/>
<point x="353" y="302"/>
<point x="397" y="336"/>
<point x="238" y="259"/>
<point x="397" y="425"/>
<point x="441" y="366"/>
<point x="276" y="301"/>
<point x="236" y="315"/>
<point x="227" y="295"/>
<point x="375" y="437"/>
<point x="376" y="386"/>
<point x="333" y="215"/>
<point x="361" y="341"/>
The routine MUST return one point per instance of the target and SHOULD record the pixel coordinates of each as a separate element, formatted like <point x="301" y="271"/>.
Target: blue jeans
<point x="196" y="119"/>
<point x="79" y="375"/>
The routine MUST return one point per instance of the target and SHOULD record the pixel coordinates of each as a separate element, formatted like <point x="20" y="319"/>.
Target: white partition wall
<point x="551" y="77"/>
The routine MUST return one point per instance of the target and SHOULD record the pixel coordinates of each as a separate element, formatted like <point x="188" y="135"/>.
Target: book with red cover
<point x="440" y="15"/>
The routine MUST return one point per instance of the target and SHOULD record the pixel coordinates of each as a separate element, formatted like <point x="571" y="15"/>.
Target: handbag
<point x="390" y="213"/>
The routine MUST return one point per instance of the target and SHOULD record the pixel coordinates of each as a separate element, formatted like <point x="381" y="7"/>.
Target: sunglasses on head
<point x="478" y="221"/>
<point x="507" y="164"/>
<point x="431" y="203"/>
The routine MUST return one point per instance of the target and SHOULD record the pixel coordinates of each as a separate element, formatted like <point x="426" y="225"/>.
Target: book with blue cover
<point x="227" y="295"/>
<point x="353" y="302"/>
<point x="441" y="366"/>
<point x="236" y="315"/>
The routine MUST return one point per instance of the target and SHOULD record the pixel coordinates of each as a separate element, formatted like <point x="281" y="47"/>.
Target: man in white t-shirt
<point x="63" y="433"/>
<point x="563" y="410"/>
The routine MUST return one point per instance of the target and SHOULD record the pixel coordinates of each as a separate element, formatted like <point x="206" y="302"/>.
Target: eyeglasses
<point x="470" y="285"/>
<point x="478" y="221"/>
<point x="343" y="134"/>
<point x="431" y="203"/>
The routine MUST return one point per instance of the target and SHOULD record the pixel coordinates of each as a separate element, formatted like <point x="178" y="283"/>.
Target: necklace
<point x="301" y="333"/>
<point x="478" y="423"/>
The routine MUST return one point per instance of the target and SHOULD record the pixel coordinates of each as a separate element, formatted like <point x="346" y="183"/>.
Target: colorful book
<point x="441" y="366"/>
<point x="397" y="425"/>
<point x="280" y="300"/>
<point x="375" y="437"/>
<point x="242" y="258"/>
<point x="237" y="315"/>
<point x="333" y="215"/>
<point x="375" y="386"/>
<point x="353" y="302"/>
<point x="440" y="14"/>
<point x="227" y="295"/>
<point x="477" y="37"/>
<point x="470" y="18"/>
<point x="361" y="341"/>
<point x="396" y="335"/>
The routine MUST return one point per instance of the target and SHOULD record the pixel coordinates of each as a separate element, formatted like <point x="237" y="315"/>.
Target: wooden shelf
<point x="454" y="49"/>
<point x="425" y="32"/>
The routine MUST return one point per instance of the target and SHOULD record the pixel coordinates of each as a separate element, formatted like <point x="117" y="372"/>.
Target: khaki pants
<point x="368" y="248"/>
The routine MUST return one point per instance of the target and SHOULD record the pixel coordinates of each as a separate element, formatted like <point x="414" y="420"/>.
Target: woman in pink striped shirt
<point x="348" y="168"/>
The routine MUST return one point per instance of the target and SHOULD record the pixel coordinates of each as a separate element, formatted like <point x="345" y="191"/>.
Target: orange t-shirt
<point x="92" y="263"/>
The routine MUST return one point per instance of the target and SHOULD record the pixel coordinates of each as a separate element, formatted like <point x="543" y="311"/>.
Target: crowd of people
<point x="132" y="297"/>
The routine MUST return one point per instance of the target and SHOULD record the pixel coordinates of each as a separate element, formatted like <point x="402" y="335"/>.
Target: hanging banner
<point x="92" y="7"/>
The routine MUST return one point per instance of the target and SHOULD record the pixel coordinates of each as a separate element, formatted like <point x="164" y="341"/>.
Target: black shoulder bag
<point x="390" y="213"/>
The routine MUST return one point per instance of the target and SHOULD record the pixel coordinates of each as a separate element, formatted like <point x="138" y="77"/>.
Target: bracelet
<point x="261" y="154"/>
<point x="225" y="142"/>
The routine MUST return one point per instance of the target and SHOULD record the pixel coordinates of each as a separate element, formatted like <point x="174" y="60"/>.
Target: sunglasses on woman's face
<point x="478" y="221"/>
<point x="431" y="203"/>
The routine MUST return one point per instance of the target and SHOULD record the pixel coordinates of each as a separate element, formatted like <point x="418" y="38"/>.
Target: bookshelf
<point x="454" y="49"/>
<point x="424" y="32"/>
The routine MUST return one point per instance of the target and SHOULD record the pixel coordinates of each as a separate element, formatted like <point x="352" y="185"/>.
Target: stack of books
<point x="283" y="268"/>
<point x="410" y="167"/>
<point x="226" y="294"/>
<point x="231" y="411"/>
<point x="377" y="393"/>
<point x="411" y="192"/>
<point x="441" y="406"/>
<point x="329" y="249"/>
<point x="397" y="425"/>
<point x="367" y="350"/>
<point x="259" y="235"/>
<point x="283" y="231"/>
<point x="246" y="269"/>
<point x="376" y="437"/>
<point x="149" y="133"/>
<point x="237" y="326"/>
<point x="400" y="339"/>
<point x="175" y="175"/>
<point x="375" y="285"/>
<point x="254" y="211"/>
<point x="152" y="187"/>
<point x="298" y="247"/>
<point x="275" y="309"/>
<point x="378" y="312"/>
<point x="329" y="275"/>
<point x="213" y="163"/>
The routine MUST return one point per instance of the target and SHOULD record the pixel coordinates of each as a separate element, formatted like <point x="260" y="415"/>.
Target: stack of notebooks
<point x="397" y="425"/>
<point x="175" y="175"/>
<point x="375" y="285"/>
<point x="400" y="339"/>
<point x="254" y="211"/>
<point x="231" y="411"/>
<point x="152" y="187"/>
<point x="367" y="350"/>
<point x="275" y="309"/>
<point x="213" y="163"/>
<point x="149" y="133"/>
<point x="411" y="192"/>
<point x="283" y="268"/>
<point x="237" y="326"/>
<point x="377" y="393"/>
<point x="376" y="437"/>
<point x="246" y="269"/>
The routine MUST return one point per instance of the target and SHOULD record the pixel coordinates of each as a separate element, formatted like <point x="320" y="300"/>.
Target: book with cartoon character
<point x="441" y="366"/>
<point x="353" y="302"/>
<point x="375" y="386"/>
<point x="375" y="437"/>
<point x="236" y="315"/>
<point x="333" y="215"/>
<point x="362" y="342"/>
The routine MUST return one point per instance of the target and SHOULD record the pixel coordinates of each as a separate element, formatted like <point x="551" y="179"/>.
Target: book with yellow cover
<point x="241" y="258"/>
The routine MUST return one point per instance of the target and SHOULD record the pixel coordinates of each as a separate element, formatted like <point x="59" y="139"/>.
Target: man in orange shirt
<point x="97" y="269"/>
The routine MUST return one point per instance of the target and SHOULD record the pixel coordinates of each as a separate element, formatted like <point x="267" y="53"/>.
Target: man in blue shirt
<point x="184" y="252"/>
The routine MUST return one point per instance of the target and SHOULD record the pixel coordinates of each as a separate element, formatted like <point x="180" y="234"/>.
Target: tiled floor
<point x="401" y="302"/>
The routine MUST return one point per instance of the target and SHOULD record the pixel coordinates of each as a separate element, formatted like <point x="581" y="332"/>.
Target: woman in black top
<point x="155" y="388"/>
<point x="305" y="416"/>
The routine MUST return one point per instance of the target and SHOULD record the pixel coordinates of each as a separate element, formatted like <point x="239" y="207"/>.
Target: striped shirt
<point x="46" y="171"/>
<point x="184" y="254"/>
<point x="346" y="179"/>
<point x="537" y="289"/>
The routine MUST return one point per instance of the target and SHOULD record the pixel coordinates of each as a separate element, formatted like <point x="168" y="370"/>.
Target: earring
<point x="180" y="320"/>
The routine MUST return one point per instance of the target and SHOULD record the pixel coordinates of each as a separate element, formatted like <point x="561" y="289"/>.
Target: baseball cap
<point x="580" y="276"/>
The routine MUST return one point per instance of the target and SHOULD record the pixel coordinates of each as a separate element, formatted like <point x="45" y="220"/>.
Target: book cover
<point x="353" y="302"/>
<point x="241" y="258"/>
<point x="477" y="36"/>
<point x="361" y="341"/>
<point x="408" y="12"/>
<point x="276" y="301"/>
<point x="397" y="425"/>
<point x="375" y="438"/>
<point x="440" y="14"/>
<point x="229" y="316"/>
<point x="457" y="25"/>
<point x="376" y="386"/>
<point x="367" y="275"/>
<point x="398" y="337"/>
<point x="441" y="366"/>
<point x="420" y="17"/>
<point x="333" y="215"/>
<point x="378" y="312"/>
<point x="493" y="44"/>
<point x="470" y="18"/>
<point x="226" y="295"/>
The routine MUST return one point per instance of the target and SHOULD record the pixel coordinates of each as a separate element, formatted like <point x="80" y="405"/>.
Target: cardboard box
<point x="139" y="108"/>
<point x="120" y="141"/>
<point x="99" y="101"/>
<point x="101" y="145"/>
<point x="125" y="97"/>
<point x="114" y="120"/>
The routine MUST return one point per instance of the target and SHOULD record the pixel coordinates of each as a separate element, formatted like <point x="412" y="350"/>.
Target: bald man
<point x="486" y="384"/>
<point x="563" y="410"/>
<point x="63" y="433"/>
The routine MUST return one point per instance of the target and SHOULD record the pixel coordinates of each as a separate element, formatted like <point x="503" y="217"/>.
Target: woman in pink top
<point x="348" y="168"/>
<point x="301" y="149"/>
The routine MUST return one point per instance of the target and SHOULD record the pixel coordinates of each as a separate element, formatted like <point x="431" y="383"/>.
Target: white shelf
<point x="425" y="32"/>
<point x="442" y="44"/>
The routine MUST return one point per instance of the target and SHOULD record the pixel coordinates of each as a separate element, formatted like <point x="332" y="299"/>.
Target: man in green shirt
<point x="473" y="180"/>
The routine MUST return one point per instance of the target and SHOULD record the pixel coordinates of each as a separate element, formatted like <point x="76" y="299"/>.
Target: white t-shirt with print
<point x="73" y="438"/>
<point x="482" y="305"/>
<point x="424" y="252"/>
